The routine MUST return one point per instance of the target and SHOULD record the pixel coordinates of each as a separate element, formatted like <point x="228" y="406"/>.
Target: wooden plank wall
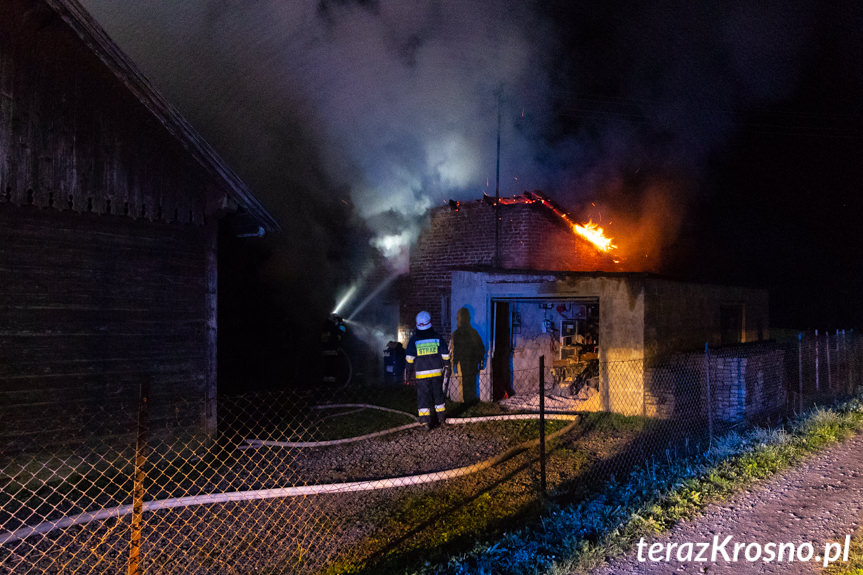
<point x="107" y="249"/>
<point x="89" y="307"/>
<point x="72" y="137"/>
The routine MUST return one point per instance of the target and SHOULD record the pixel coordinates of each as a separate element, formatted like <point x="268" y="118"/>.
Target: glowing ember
<point x="595" y="235"/>
<point x="589" y="231"/>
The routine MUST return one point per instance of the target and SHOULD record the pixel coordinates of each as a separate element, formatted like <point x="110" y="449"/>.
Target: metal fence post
<point x="839" y="360"/>
<point x="851" y="360"/>
<point x="800" y="368"/>
<point x="542" y="485"/>
<point x="846" y="361"/>
<point x="138" y="480"/>
<point x="644" y="398"/>
<point x="827" y="351"/>
<point x="817" y="363"/>
<point x="709" y="402"/>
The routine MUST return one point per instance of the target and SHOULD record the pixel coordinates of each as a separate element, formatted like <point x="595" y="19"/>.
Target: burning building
<point x="624" y="320"/>
<point x="536" y="286"/>
<point x="533" y="234"/>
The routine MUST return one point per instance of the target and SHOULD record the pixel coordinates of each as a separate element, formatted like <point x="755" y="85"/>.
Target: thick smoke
<point x="375" y="111"/>
<point x="393" y="104"/>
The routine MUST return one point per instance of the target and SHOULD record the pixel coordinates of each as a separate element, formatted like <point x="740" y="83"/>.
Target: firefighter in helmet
<point x="331" y="338"/>
<point x="428" y="354"/>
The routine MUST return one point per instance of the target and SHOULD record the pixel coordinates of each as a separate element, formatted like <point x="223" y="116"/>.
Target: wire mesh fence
<point x="341" y="476"/>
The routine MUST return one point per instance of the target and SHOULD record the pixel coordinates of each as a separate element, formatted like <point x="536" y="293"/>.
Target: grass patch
<point x="854" y="566"/>
<point x="478" y="409"/>
<point x="578" y="538"/>
<point x="347" y="422"/>
<point x="338" y="423"/>
<point x="605" y="422"/>
<point x="401" y="397"/>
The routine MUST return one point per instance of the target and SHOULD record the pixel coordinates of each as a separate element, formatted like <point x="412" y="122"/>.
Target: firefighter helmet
<point x="423" y="320"/>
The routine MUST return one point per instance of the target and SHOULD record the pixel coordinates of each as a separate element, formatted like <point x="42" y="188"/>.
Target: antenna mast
<point x="497" y="188"/>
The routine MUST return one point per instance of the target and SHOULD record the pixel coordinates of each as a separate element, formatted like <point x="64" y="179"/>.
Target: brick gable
<point x="532" y="237"/>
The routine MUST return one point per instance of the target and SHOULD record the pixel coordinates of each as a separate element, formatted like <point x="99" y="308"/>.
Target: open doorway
<point x="501" y="361"/>
<point x="563" y="330"/>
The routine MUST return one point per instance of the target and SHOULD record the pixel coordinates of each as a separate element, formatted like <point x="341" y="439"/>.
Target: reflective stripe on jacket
<point x="428" y="353"/>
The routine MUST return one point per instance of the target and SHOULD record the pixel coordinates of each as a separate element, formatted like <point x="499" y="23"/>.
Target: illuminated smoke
<point x="391" y="105"/>
<point x="343" y="300"/>
<point x="372" y="295"/>
<point x="394" y="102"/>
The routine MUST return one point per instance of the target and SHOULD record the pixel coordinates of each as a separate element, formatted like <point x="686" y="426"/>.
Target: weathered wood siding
<point x="74" y="138"/>
<point x="107" y="249"/>
<point x="89" y="307"/>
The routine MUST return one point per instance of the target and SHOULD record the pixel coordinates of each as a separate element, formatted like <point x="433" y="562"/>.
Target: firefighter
<point x="428" y="354"/>
<point x="331" y="339"/>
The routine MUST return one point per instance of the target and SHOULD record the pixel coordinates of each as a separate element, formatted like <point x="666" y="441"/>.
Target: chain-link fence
<point x="341" y="477"/>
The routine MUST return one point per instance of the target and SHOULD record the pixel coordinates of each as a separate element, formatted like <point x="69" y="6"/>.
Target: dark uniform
<point x="468" y="355"/>
<point x="428" y="353"/>
<point x="331" y="339"/>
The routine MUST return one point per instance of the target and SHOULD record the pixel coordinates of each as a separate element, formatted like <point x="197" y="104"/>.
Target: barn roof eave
<point x="95" y="37"/>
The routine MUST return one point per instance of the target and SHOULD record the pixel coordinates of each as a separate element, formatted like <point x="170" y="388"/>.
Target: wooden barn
<point x="110" y="204"/>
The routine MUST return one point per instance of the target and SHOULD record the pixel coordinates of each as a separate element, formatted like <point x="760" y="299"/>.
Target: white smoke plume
<point x="390" y="107"/>
<point x="397" y="100"/>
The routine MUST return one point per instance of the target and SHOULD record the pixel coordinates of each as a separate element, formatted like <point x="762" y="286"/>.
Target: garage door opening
<point x="565" y="331"/>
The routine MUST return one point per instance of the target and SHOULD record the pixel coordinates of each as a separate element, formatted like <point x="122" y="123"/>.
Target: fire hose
<point x="302" y="490"/>
<point x="256" y="443"/>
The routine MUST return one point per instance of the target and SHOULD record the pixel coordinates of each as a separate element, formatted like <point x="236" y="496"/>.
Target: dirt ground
<point x="312" y="533"/>
<point x="820" y="501"/>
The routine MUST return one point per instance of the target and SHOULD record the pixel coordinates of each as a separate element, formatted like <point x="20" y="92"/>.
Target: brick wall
<point x="674" y="387"/>
<point x="746" y="382"/>
<point x="746" y="386"/>
<point x="531" y="238"/>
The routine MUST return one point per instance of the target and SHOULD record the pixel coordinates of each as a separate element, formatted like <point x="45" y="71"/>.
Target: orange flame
<point x="589" y="231"/>
<point x="595" y="235"/>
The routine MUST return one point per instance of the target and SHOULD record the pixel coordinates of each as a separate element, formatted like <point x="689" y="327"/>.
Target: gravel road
<point x="819" y="502"/>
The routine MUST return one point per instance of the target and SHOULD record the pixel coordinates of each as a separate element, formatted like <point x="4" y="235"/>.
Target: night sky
<point x="716" y="141"/>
